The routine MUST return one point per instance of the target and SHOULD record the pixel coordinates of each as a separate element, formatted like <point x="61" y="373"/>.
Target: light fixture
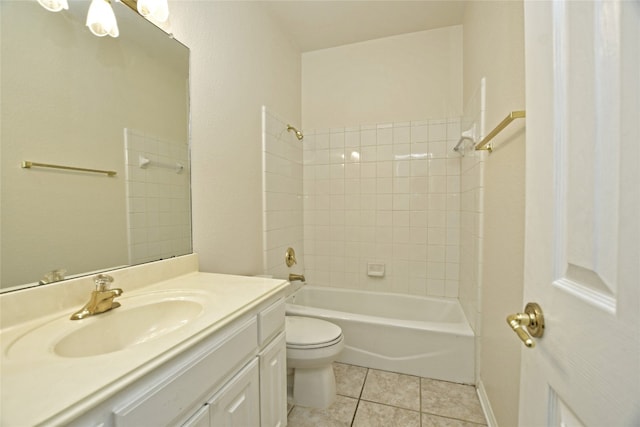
<point x="54" y="5"/>
<point x="154" y="10"/>
<point x="101" y="20"/>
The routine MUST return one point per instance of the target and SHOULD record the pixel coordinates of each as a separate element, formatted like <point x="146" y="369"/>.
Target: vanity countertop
<point x="42" y="387"/>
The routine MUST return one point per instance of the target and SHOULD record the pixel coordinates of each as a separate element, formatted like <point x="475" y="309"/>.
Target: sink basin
<point x="122" y="329"/>
<point x="140" y="319"/>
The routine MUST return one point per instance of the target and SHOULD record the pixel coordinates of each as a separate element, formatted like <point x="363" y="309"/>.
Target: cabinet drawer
<point x="186" y="386"/>
<point x="270" y="321"/>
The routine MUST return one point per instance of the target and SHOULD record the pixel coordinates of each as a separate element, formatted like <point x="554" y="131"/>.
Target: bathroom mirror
<point x="120" y="105"/>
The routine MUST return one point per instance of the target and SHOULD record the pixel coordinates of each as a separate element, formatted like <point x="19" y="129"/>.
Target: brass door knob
<point x="532" y="319"/>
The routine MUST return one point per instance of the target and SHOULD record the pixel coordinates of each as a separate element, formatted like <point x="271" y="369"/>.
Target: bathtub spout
<point x="294" y="277"/>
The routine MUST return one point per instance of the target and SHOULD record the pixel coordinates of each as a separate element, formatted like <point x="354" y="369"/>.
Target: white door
<point x="582" y="249"/>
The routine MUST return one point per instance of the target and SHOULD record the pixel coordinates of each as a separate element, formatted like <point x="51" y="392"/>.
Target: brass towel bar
<point x="484" y="144"/>
<point x="28" y="165"/>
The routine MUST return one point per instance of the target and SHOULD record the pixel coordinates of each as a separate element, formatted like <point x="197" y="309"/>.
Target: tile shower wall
<point x="385" y="194"/>
<point x="158" y="197"/>
<point x="282" y="195"/>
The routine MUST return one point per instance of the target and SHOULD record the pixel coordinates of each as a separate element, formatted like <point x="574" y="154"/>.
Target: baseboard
<point x="486" y="405"/>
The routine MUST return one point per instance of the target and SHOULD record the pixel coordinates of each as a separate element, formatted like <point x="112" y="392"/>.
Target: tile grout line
<point x="366" y="374"/>
<point x="454" y="418"/>
<point x="393" y="406"/>
<point x="421" y="411"/>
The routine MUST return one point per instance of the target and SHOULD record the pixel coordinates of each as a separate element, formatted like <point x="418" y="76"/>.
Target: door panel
<point x="582" y="230"/>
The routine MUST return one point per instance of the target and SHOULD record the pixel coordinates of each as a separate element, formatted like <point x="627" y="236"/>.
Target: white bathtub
<point x="427" y="337"/>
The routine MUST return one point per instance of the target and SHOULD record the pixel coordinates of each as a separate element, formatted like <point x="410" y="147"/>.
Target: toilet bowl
<point x="312" y="346"/>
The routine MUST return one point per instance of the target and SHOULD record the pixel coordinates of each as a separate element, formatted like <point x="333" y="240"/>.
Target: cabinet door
<point x="237" y="404"/>
<point x="273" y="383"/>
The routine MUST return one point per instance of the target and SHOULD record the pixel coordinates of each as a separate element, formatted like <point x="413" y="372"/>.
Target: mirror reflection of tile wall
<point x="157" y="180"/>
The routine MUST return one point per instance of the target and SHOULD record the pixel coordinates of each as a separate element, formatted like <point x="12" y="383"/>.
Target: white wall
<point x="494" y="48"/>
<point x="240" y="60"/>
<point x="402" y="78"/>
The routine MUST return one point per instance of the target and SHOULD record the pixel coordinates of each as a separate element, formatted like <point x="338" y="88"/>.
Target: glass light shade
<point x="54" y="5"/>
<point x="156" y="10"/>
<point x="101" y="20"/>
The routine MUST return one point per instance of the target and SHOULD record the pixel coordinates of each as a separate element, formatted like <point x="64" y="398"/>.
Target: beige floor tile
<point x="349" y="379"/>
<point x="429" y="420"/>
<point x="371" y="414"/>
<point x="451" y="400"/>
<point x="392" y="389"/>
<point x="339" y="414"/>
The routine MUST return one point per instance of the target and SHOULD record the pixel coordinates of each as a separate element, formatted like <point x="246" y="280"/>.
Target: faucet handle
<point x="103" y="282"/>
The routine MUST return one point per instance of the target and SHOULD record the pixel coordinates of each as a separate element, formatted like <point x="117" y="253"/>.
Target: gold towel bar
<point x="484" y="144"/>
<point x="28" y="165"/>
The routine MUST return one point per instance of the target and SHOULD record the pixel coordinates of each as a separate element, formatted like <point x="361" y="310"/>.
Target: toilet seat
<point x="309" y="333"/>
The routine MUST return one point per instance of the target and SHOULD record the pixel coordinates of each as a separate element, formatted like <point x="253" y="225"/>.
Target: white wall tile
<point x="384" y="169"/>
<point x="401" y="185"/>
<point x="401" y="133"/>
<point x="401" y="151"/>
<point x="336" y="139"/>
<point x="402" y="168"/>
<point x="386" y="193"/>
<point x="284" y="181"/>
<point x="368" y="137"/>
<point x="437" y="130"/>
<point x="384" y="134"/>
<point x="322" y="140"/>
<point x="419" y="131"/>
<point x="352" y="139"/>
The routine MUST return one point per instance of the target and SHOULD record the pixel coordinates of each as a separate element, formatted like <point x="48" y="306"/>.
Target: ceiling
<point x="317" y="25"/>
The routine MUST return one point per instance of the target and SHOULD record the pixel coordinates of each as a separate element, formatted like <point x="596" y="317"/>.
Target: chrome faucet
<point x="101" y="299"/>
<point x="294" y="277"/>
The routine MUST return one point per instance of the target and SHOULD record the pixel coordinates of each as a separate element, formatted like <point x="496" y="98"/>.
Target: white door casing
<point x="582" y="228"/>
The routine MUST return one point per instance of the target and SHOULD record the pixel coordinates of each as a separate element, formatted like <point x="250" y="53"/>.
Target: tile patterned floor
<point x="373" y="398"/>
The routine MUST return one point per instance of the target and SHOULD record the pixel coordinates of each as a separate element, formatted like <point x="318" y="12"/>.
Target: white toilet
<point x="312" y="346"/>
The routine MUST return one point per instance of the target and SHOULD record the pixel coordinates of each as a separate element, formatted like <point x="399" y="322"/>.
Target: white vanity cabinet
<point x="273" y="383"/>
<point x="257" y="395"/>
<point x="273" y="369"/>
<point x="238" y="403"/>
<point x="236" y="377"/>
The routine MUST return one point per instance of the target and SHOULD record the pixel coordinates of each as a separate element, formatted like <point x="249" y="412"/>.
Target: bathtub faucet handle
<point x="290" y="257"/>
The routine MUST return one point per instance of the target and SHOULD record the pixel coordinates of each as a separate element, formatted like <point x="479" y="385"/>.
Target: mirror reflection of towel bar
<point x="144" y="163"/>
<point x="28" y="165"/>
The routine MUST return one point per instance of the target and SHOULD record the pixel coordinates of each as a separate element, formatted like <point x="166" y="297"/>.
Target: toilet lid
<point x="306" y="331"/>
